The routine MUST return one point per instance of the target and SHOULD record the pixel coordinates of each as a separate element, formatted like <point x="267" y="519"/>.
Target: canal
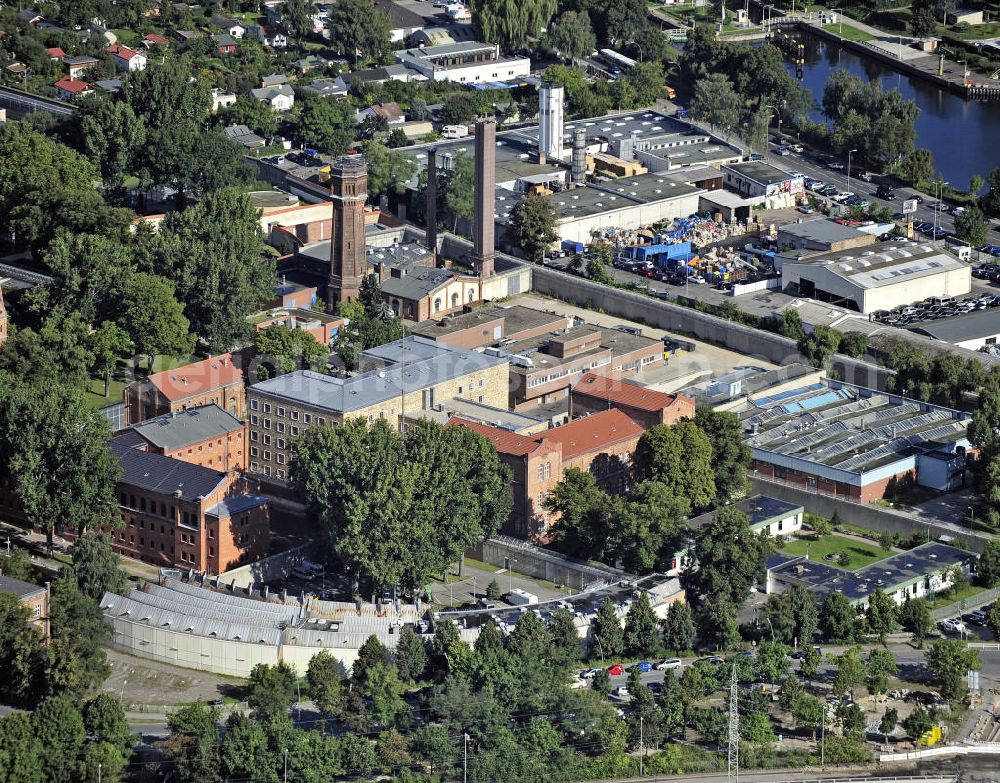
<point x="964" y="137"/>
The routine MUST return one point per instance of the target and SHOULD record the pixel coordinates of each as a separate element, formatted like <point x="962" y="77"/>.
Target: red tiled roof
<point x="55" y="51"/>
<point x="121" y="51"/>
<point x="505" y="441"/>
<point x="631" y="394"/>
<point x="72" y="85"/>
<point x="154" y="38"/>
<point x="197" y="377"/>
<point x="594" y="433"/>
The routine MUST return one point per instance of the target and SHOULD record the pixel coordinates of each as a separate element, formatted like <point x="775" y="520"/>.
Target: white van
<point x="454" y="131"/>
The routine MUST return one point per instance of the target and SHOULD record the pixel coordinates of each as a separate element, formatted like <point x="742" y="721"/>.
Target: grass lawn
<point x="977" y="32"/>
<point x="860" y="554"/>
<point x="126" y="37"/>
<point x="965" y="593"/>
<point x="850" y="33"/>
<point x="95" y="393"/>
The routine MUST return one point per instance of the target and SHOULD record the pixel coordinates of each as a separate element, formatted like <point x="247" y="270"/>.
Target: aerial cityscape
<point x="499" y="392"/>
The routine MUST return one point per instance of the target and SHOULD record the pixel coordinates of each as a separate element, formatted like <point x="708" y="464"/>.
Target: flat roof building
<point x="758" y="179"/>
<point x="216" y="380"/>
<point x="402" y="378"/>
<point x="894" y="274"/>
<point x="848" y="441"/>
<point x="492" y="325"/>
<point x="922" y="571"/>
<point x="822" y="235"/>
<point x="776" y="517"/>
<point x="972" y="331"/>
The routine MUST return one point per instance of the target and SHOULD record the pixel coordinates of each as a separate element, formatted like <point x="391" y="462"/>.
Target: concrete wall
<point x="675" y="318"/>
<point x="541" y="563"/>
<point x="871" y="517"/>
<point x="274" y="567"/>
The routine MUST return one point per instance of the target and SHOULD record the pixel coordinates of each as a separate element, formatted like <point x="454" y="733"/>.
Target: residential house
<point x="77" y="64"/>
<point x="390" y="112"/>
<point x="55" y="53"/>
<point x="186" y="36"/>
<point x="402" y="21"/>
<point x="327" y="88"/>
<point x="387" y="73"/>
<point x="594" y="393"/>
<point x="32" y="597"/>
<point x="233" y="27"/>
<point x="311" y="62"/>
<point x="224" y="43"/>
<point x="126" y="59"/>
<point x="274" y="80"/>
<point x="221" y="100"/>
<point x="68" y="89"/>
<point x="206" y="436"/>
<point x="31" y="17"/>
<point x="268" y="36"/>
<point x="280" y="98"/>
<point x="152" y="39"/>
<point x="179" y="514"/>
<point x="216" y="380"/>
<point x="242" y="135"/>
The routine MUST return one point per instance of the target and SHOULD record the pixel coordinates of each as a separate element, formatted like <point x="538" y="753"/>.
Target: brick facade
<point x="866" y="493"/>
<point x="595" y="393"/>
<point x="217" y="380"/>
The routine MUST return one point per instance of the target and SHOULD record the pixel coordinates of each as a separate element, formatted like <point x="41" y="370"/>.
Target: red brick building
<point x="213" y="381"/>
<point x="207" y="436"/>
<point x="595" y="393"/>
<point x="184" y="515"/>
<point x="31" y="596"/>
<point x="601" y="444"/>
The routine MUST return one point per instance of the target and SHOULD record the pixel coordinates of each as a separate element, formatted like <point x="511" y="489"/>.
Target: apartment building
<point x="184" y="515"/>
<point x="217" y="380"/>
<point x="206" y="436"/>
<point x="398" y="380"/>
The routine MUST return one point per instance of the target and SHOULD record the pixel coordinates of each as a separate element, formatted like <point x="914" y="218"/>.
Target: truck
<point x="519" y="597"/>
<point x="572" y="247"/>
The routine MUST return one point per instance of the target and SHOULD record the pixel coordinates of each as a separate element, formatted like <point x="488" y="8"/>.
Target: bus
<point x="617" y="61"/>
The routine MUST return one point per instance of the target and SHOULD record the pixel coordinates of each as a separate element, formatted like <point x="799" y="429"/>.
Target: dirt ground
<point x="143" y="682"/>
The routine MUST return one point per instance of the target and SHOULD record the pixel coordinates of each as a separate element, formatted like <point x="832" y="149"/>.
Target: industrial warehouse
<point x="852" y="442"/>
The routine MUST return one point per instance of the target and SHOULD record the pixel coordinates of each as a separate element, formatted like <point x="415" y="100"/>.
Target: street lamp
<point x="286" y="765"/>
<point x="938" y="192"/>
<point x="840" y="19"/>
<point x="972" y="516"/>
<point x="849" y="153"/>
<point x="766" y="20"/>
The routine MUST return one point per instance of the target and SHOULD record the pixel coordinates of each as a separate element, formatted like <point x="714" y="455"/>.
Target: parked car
<point x="950" y="626"/>
<point x="588" y="674"/>
<point x="836" y="165"/>
<point x="806" y="210"/>
<point x="621" y="691"/>
<point x="865" y="176"/>
<point x="715" y="660"/>
<point x="616" y="669"/>
<point x="643" y="666"/>
<point x="975" y="617"/>
<point x="796" y="148"/>
<point x="782" y="151"/>
<point x="670" y="663"/>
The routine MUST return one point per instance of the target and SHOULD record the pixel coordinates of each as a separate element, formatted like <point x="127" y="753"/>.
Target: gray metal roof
<point x="415" y="363"/>
<point x="19" y="588"/>
<point x="972" y="326"/>
<point x="184" y="428"/>
<point x="165" y="475"/>
<point x="237" y="504"/>
<point x="822" y="230"/>
<point x="416" y="282"/>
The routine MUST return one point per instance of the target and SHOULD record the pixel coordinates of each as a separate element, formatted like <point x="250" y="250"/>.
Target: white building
<point x="220" y="99"/>
<point x="127" y="59"/>
<point x="280" y="98"/>
<point x="895" y="274"/>
<point x="467" y="63"/>
<point x="755" y="179"/>
<point x="550" y="121"/>
<point x="973" y="331"/>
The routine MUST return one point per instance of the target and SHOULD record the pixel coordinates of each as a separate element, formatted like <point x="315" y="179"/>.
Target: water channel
<point x="964" y="137"/>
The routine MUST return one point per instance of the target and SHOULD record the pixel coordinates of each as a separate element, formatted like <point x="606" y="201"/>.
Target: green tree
<point x="809" y="713"/>
<point x="790" y="325"/>
<point x="915" y="617"/>
<point x="96" y="566"/>
<point x="854" y="344"/>
<point x="572" y="36"/>
<point x="58" y="725"/>
<point x="791" y="691"/>
<point x="370" y="654"/>
<point x="532" y="226"/>
<point x="411" y="656"/>
<point x="582" y="509"/>
<point x="355" y="26"/>
<point x="213" y="252"/>
<point x="991" y="201"/>
<point x="108" y="344"/>
<point x="820" y="344"/>
<point x="881" y="615"/>
<point x="717" y="624"/>
<point x="918" y="166"/>
<point x="113" y="138"/>
<point x="607" y="639"/>
<point x="730" y="557"/>
<point x="773" y="661"/>
<point x="678" y="628"/>
<point x="457" y="190"/>
<point x="679" y="456"/>
<point x="493" y="590"/>
<point x="838" y="619"/>
<point x="810" y="663"/>
<point x="326" y="682"/>
<point x="887" y="724"/>
<point x="75" y="657"/>
<point x="325" y="125"/>
<point x="256" y="115"/>
<point x="948" y="661"/>
<point x="917" y="722"/>
<point x="104" y="719"/>
<point x="510" y="23"/>
<point x="374" y="493"/>
<point x="433" y="744"/>
<point x="565" y="638"/>
<point x="281" y="350"/>
<point x="22" y="654"/>
<point x="642" y="637"/>
<point x="17" y="564"/>
<point x="792" y="616"/>
<point x="716" y="102"/>
<point x="153" y="318"/>
<point x="602" y="682"/>
<point x="850" y="671"/>
<point x="971" y="226"/>
<point x="271" y="690"/>
<point x="879" y="667"/>
<point x="922" y="21"/>
<point x="388" y="171"/>
<point x="53" y="446"/>
<point x="20" y="750"/>
<point x="730" y="453"/>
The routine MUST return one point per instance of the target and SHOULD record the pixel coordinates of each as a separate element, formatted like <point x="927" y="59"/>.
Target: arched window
<point x="454" y="299"/>
<point x="409" y="310"/>
<point x="437" y="304"/>
<point x="472" y="295"/>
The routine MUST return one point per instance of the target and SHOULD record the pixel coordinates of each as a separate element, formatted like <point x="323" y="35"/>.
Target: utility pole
<point x="734" y="729"/>
<point x="642" y="747"/>
<point x="465" y="759"/>
<point x="286" y="765"/>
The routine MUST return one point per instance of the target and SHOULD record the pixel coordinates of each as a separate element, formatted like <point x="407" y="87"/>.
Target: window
<point x="322" y="421"/>
<point x="131" y="501"/>
<point x="294" y="415"/>
<point x="254" y="467"/>
<point x="267" y="471"/>
<point x="267" y="407"/>
<point x="281" y="443"/>
<point x="281" y="459"/>
<point x="122" y="499"/>
<point x="437" y="304"/>
<point x="253" y="451"/>
<point x="253" y="436"/>
<point x="280" y="411"/>
<point x="541" y="472"/>
<point x="253" y="405"/>
<point x="280" y="426"/>
<point x="267" y="424"/>
<point x="253" y="419"/>
<point x="36" y="611"/>
<point x="267" y="456"/>
<point x="306" y="418"/>
<point x="142" y="504"/>
<point x="281" y="474"/>
<point x="548" y="470"/>
<point x="211" y="551"/>
<point x="267" y="440"/>
<point x="295" y="430"/>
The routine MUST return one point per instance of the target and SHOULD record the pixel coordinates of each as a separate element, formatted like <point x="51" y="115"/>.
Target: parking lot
<point x="935" y="308"/>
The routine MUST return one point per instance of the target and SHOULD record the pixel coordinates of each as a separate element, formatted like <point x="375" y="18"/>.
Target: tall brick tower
<point x="484" y="227"/>
<point x="348" y="191"/>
